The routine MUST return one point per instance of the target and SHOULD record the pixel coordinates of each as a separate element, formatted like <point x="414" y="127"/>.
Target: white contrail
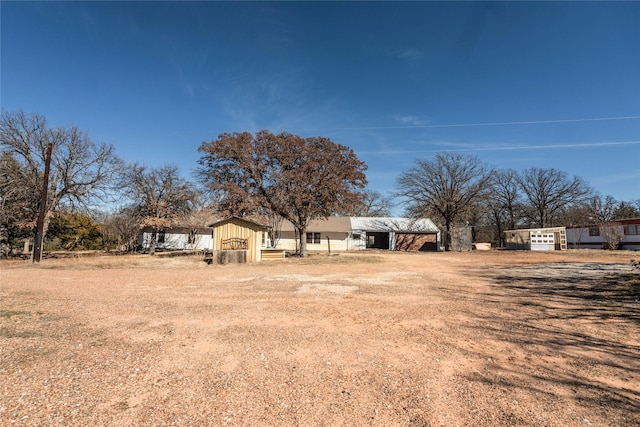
<point x="512" y="147"/>
<point x="531" y="122"/>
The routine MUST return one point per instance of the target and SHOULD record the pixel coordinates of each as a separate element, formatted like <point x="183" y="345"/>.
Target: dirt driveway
<point x="429" y="339"/>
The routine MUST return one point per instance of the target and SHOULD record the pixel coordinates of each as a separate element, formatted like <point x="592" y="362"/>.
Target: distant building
<point x="625" y="232"/>
<point x="359" y="233"/>
<point x="335" y="233"/>
<point x="537" y="239"/>
<point x="177" y="238"/>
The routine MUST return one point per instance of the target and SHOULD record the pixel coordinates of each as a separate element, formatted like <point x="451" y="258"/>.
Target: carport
<point x="399" y="234"/>
<point x="377" y="240"/>
<point x="422" y="242"/>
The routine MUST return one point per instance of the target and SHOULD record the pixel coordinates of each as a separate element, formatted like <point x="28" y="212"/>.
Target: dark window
<point x="313" y="238"/>
<point x="161" y="236"/>
<point x="632" y="230"/>
<point x="594" y="231"/>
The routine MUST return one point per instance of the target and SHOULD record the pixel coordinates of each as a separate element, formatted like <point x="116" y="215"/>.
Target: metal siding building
<point x="394" y="233"/>
<point x="537" y="239"/>
<point x="177" y="239"/>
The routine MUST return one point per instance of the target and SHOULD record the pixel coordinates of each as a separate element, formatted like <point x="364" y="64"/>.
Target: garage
<point x="396" y="234"/>
<point x="423" y="242"/>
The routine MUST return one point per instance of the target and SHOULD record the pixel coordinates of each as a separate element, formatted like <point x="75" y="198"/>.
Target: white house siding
<point x="177" y="241"/>
<point x="582" y="238"/>
<point x="339" y="241"/>
<point x="352" y="233"/>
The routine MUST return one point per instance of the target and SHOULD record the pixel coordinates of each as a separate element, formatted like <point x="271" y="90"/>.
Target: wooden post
<point x="37" y="243"/>
<point x="329" y="245"/>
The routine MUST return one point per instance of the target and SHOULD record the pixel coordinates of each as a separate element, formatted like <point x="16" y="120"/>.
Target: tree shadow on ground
<point x="575" y="330"/>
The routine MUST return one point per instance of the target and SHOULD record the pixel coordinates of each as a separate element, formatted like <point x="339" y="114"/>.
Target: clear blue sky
<point x="394" y="81"/>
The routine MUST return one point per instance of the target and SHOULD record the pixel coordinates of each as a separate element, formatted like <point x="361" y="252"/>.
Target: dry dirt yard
<point x="429" y="339"/>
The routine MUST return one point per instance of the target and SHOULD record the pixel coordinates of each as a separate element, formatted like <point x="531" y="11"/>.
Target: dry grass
<point x="107" y="261"/>
<point x="373" y="338"/>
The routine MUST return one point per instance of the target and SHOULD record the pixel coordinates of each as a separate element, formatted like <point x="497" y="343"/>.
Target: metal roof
<point x="407" y="225"/>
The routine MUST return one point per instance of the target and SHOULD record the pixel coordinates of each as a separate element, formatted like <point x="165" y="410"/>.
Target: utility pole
<point x="37" y="244"/>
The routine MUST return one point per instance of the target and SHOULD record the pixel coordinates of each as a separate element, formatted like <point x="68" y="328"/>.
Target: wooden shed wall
<point x="236" y="228"/>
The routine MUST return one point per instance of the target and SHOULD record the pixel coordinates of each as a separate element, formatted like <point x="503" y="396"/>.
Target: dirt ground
<point x="376" y="338"/>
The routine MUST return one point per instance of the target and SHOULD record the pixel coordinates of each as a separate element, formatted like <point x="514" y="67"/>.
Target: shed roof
<point x="239" y="218"/>
<point x="397" y="224"/>
<point x="536" y="230"/>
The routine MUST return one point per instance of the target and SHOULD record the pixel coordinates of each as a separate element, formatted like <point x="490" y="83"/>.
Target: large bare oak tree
<point x="447" y="186"/>
<point x="300" y="179"/>
<point x="83" y="172"/>
<point x="549" y="192"/>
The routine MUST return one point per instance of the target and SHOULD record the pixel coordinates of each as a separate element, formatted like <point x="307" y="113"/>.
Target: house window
<point x="313" y="238"/>
<point x="161" y="236"/>
<point x="356" y="236"/>
<point x="191" y="238"/>
<point x="632" y="230"/>
<point x="594" y="231"/>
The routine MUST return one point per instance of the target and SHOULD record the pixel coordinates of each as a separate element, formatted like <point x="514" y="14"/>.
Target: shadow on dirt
<point x="608" y="290"/>
<point x="574" y="330"/>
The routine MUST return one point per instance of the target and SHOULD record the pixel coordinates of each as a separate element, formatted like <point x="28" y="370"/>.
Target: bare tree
<point x="83" y="172"/>
<point x="613" y="233"/>
<point x="548" y="192"/>
<point x="373" y="204"/>
<point x="603" y="209"/>
<point x="300" y="179"/>
<point x="160" y="197"/>
<point x="199" y="217"/>
<point x="503" y="201"/>
<point x="447" y="187"/>
<point x="18" y="204"/>
<point x="627" y="210"/>
<point x="274" y="222"/>
<point x="122" y="228"/>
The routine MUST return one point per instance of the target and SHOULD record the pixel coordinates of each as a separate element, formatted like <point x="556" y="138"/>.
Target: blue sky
<point x="517" y="84"/>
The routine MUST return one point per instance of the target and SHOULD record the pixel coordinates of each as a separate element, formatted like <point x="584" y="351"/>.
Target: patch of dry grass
<point x="343" y="258"/>
<point x="111" y="262"/>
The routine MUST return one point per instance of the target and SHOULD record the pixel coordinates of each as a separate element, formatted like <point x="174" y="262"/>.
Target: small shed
<point x="239" y="234"/>
<point x="537" y="239"/>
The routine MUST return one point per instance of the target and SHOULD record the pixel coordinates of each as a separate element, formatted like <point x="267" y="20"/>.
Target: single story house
<point x="337" y="233"/>
<point x="177" y="239"/>
<point x="537" y="239"/>
<point x="333" y="232"/>
<point x="624" y="232"/>
<point x="358" y="233"/>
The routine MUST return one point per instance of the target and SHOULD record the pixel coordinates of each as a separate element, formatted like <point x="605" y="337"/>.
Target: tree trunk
<point x="447" y="240"/>
<point x="152" y="244"/>
<point x="302" y="233"/>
